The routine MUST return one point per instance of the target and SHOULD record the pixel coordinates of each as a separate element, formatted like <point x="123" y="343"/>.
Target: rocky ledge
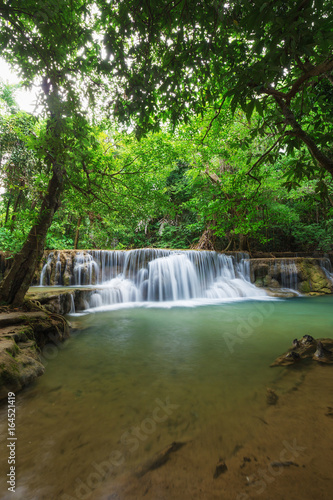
<point x="23" y="333"/>
<point x="305" y="275"/>
<point x="61" y="300"/>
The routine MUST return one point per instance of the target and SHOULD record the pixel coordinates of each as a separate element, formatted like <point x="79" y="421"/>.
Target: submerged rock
<point x="271" y="397"/>
<point x="159" y="459"/>
<point x="220" y="468"/>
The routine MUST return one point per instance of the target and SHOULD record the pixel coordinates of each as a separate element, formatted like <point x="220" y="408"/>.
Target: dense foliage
<point x="166" y="190"/>
<point x="232" y="103"/>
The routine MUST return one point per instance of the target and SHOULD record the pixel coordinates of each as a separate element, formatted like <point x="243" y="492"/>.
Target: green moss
<point x="259" y="282"/>
<point x="304" y="287"/>
<point x="9" y="376"/>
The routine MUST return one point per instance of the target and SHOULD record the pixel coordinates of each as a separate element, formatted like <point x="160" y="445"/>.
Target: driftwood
<point x="307" y="347"/>
<point x="159" y="458"/>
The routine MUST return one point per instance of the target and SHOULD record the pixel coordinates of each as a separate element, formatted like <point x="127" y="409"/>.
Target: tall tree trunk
<point x="7" y="209"/>
<point x="19" y="277"/>
<point x="77" y="234"/>
<point x="243" y="243"/>
<point x="17" y="203"/>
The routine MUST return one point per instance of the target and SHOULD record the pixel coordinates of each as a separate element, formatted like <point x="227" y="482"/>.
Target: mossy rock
<point x="9" y="373"/>
<point x="259" y="282"/>
<point x="304" y="287"/>
<point x="314" y="279"/>
<point x="267" y="282"/>
<point x="18" y="371"/>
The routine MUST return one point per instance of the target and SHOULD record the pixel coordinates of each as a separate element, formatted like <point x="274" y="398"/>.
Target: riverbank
<point x="24" y="332"/>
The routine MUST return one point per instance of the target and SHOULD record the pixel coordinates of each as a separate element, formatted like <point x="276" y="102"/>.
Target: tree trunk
<point x="17" y="203"/>
<point x="7" y="209"/>
<point x="243" y="243"/>
<point x="77" y="234"/>
<point x="19" y="277"/>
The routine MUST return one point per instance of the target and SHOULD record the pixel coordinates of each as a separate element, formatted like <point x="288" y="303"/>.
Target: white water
<point x="289" y="275"/>
<point x="327" y="268"/>
<point x="45" y="273"/>
<point x="169" y="277"/>
<point x="165" y="277"/>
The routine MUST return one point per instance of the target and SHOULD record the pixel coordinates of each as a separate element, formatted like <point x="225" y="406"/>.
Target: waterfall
<point x="72" y="309"/>
<point x="46" y="271"/>
<point x="153" y="275"/>
<point x="289" y="274"/>
<point x="57" y="277"/>
<point x="326" y="266"/>
<point x="86" y="269"/>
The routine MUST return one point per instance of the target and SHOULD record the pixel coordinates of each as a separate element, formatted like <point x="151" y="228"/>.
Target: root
<point x="37" y="305"/>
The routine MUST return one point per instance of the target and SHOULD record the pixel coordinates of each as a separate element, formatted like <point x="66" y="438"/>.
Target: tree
<point x="174" y="58"/>
<point x="49" y="41"/>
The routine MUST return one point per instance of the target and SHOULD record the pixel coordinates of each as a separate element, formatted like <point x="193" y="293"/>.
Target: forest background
<point x="173" y="124"/>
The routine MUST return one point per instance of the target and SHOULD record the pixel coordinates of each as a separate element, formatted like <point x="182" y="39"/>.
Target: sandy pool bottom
<point x="289" y="458"/>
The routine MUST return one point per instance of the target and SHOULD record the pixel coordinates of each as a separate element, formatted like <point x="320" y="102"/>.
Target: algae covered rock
<point x="305" y="275"/>
<point x="313" y="278"/>
<point x="22" y="334"/>
<point x="19" y="366"/>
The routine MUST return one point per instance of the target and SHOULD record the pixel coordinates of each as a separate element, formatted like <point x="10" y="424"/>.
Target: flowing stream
<point x="132" y="380"/>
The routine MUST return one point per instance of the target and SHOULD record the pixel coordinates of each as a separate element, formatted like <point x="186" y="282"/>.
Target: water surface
<point x="131" y="381"/>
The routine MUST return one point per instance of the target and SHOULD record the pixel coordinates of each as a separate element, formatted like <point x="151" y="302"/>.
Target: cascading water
<point x="58" y="270"/>
<point x="153" y="275"/>
<point x="326" y="266"/>
<point x="289" y="274"/>
<point x="85" y="269"/>
<point x="46" y="271"/>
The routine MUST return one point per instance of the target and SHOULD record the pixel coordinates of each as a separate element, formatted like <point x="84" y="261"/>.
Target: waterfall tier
<point x="152" y="275"/>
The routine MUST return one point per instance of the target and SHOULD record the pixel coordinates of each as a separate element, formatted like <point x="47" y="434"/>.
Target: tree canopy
<point x="176" y="58"/>
<point x="232" y="102"/>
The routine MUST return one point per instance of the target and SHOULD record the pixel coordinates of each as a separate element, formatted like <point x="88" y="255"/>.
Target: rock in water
<point x="307" y="348"/>
<point x="271" y="397"/>
<point x="322" y="354"/>
<point x="159" y="459"/>
<point x="220" y="468"/>
<point x="307" y="339"/>
<point x="296" y="343"/>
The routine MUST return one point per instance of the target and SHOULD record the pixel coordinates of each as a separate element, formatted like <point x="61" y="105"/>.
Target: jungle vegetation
<point x="169" y="123"/>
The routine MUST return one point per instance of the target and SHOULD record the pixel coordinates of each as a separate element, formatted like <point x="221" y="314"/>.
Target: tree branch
<point x="323" y="160"/>
<point x="325" y="67"/>
<point x="214" y="118"/>
<point x="264" y="156"/>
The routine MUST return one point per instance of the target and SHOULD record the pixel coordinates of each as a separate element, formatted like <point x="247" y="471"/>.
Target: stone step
<point x="15" y="318"/>
<point x="19" y="333"/>
<point x="25" y="345"/>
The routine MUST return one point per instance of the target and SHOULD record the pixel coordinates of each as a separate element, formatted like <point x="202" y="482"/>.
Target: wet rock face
<point x="56" y="268"/>
<point x="305" y="275"/>
<point x="22" y="335"/>
<point x="60" y="302"/>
